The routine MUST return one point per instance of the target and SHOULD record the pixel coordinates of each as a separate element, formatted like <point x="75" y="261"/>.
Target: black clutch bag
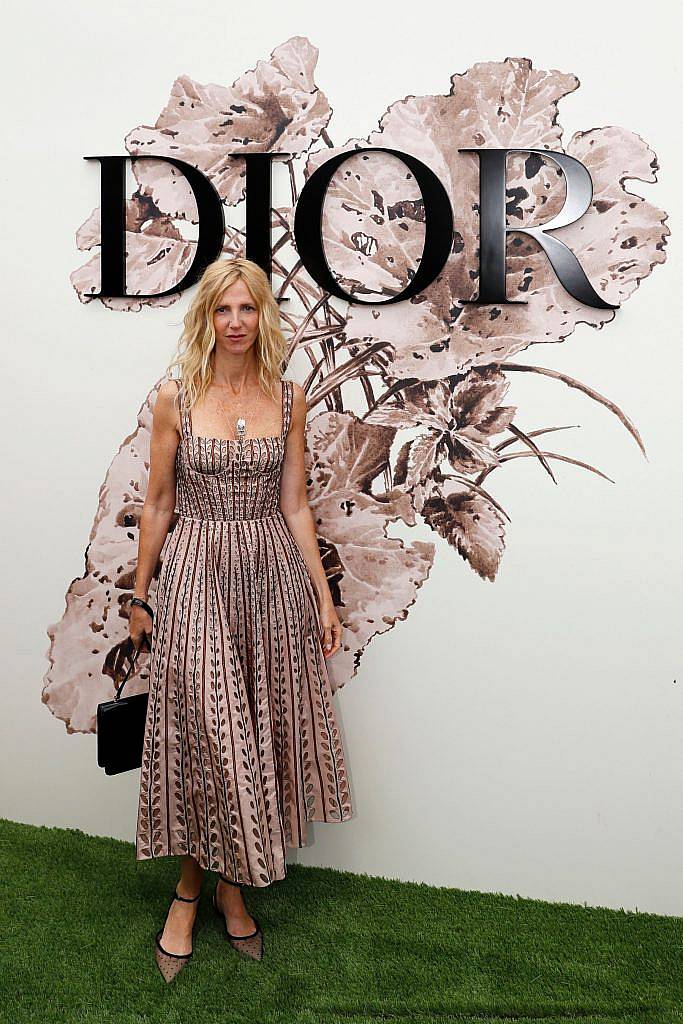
<point x="121" y="729"/>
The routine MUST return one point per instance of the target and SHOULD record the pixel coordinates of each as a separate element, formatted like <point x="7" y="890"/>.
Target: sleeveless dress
<point x="241" y="745"/>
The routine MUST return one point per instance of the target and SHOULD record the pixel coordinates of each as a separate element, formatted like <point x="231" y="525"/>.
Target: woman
<point x="241" y="743"/>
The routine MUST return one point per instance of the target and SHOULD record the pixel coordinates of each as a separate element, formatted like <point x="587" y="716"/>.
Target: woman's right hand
<point x="140" y="627"/>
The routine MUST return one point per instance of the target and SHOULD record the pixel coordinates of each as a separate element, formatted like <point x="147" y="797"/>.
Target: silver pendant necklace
<point x="241" y="424"/>
<point x="241" y="430"/>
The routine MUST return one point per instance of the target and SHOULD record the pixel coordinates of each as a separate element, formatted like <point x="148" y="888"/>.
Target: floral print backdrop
<point x="432" y="425"/>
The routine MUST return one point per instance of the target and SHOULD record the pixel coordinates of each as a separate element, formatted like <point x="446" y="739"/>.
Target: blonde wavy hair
<point x="198" y="339"/>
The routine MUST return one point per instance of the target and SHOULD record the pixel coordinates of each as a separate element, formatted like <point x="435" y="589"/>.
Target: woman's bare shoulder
<point x="166" y="405"/>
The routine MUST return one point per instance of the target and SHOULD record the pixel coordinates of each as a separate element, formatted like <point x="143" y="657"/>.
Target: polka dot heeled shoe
<point x="170" y="964"/>
<point x="251" y="945"/>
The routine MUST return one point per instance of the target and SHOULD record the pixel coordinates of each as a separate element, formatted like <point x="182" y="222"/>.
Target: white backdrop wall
<point x="521" y="737"/>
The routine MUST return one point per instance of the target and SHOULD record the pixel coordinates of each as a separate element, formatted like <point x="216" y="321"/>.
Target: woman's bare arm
<point x="159" y="505"/>
<point x="299" y="518"/>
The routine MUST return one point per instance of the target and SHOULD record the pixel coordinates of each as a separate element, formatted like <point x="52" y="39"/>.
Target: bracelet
<point x="143" y="604"/>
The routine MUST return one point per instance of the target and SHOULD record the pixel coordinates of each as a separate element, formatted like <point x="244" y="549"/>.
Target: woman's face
<point x="235" y="319"/>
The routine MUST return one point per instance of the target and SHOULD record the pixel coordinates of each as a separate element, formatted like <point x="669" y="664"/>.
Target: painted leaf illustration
<point x="470" y="524"/>
<point x="617" y="241"/>
<point x="274" y="107"/>
<point x="87" y="643"/>
<point x="157" y="256"/>
<point x="376" y="577"/>
<point x="461" y="417"/>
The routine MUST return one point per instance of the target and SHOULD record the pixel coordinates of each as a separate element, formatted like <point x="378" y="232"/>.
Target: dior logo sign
<point x="438" y="219"/>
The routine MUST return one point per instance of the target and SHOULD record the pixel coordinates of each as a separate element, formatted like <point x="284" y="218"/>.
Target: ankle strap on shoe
<point x="186" y="899"/>
<point x="229" y="881"/>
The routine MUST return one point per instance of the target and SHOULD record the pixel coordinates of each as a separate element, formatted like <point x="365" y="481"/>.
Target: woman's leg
<point x="191" y="877"/>
<point x="177" y="934"/>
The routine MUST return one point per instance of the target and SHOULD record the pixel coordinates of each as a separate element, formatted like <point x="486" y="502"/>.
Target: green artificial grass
<point x="80" y="914"/>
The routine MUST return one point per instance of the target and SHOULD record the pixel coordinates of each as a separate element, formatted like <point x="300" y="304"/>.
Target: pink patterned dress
<point x="241" y="746"/>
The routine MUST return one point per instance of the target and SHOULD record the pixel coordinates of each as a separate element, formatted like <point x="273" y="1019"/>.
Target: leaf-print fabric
<point x="241" y="747"/>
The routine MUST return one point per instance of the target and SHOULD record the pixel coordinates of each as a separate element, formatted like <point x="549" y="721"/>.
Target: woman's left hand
<point x="331" y="629"/>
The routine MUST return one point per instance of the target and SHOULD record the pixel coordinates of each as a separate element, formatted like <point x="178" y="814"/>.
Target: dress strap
<point x="184" y="417"/>
<point x="287" y="392"/>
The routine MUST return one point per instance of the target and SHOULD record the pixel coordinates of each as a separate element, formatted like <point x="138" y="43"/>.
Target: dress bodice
<point x="230" y="479"/>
